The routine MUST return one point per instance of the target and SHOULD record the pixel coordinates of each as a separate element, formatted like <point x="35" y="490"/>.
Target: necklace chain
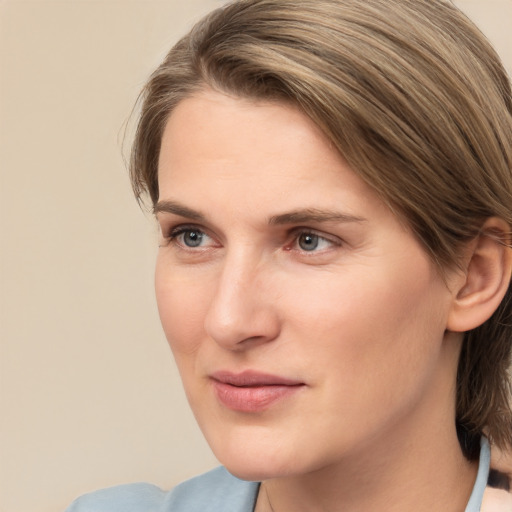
<point x="268" y="500"/>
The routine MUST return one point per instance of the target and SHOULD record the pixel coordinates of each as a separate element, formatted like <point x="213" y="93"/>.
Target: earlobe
<point x="487" y="277"/>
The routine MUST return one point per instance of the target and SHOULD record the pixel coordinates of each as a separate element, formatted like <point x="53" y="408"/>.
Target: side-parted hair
<point x="417" y="102"/>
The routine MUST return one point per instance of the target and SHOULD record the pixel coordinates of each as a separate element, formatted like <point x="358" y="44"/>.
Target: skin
<point x="359" y="316"/>
<point x="496" y="500"/>
<point x="499" y="500"/>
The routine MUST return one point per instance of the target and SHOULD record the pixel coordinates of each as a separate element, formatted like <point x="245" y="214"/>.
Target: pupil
<point x="308" y="242"/>
<point x="193" y="238"/>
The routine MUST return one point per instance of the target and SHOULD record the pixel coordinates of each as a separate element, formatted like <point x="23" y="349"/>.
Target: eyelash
<point x="177" y="231"/>
<point x="305" y="232"/>
<point x="295" y="235"/>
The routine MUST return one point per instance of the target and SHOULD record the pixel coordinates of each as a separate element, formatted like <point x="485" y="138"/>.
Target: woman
<point x="332" y="180"/>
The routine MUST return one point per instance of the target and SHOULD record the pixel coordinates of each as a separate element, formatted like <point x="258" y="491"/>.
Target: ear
<point x="488" y="268"/>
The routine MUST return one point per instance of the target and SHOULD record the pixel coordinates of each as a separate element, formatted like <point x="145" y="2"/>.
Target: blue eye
<point x="192" y="237"/>
<point x="308" y="241"/>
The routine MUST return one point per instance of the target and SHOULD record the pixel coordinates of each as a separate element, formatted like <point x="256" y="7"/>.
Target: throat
<point x="393" y="486"/>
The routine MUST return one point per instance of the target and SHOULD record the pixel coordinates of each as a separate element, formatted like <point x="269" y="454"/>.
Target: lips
<point x="252" y="391"/>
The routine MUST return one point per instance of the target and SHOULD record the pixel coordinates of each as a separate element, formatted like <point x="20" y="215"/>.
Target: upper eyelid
<point x="321" y="234"/>
<point x="181" y="228"/>
<point x="169" y="229"/>
<point x="169" y="233"/>
<point x="307" y="229"/>
<point x="169" y="221"/>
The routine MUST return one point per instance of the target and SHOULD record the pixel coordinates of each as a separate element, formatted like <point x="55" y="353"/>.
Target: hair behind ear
<point x="484" y="309"/>
<point x="484" y="388"/>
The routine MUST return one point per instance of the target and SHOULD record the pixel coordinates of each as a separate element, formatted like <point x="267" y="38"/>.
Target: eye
<point x="308" y="241"/>
<point x="190" y="237"/>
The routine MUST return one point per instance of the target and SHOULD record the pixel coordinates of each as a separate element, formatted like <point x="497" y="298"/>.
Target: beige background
<point x="89" y="396"/>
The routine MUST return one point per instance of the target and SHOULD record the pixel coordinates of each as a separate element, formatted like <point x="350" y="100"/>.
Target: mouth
<point x="252" y="391"/>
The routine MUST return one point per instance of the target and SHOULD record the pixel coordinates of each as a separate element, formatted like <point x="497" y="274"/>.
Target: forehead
<point x="209" y="117"/>
<point x="211" y="135"/>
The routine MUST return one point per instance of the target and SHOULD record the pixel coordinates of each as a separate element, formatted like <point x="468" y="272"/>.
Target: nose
<point x="243" y="311"/>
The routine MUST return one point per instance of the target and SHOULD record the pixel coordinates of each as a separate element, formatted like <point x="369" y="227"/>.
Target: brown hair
<point x="415" y="99"/>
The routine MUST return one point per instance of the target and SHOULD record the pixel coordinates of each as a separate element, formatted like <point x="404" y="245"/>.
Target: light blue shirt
<point x="216" y="491"/>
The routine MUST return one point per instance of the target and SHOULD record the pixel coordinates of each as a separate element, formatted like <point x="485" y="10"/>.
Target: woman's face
<point x="307" y="322"/>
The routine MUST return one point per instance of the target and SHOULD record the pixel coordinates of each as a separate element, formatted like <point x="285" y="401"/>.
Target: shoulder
<point x="122" y="498"/>
<point x="215" y="491"/>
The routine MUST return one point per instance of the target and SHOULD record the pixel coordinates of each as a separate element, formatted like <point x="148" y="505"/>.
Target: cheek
<point x="182" y="309"/>
<point x="371" y="320"/>
<point x="397" y="334"/>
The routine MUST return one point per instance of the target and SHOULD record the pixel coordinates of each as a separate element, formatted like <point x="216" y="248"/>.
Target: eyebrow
<point x="313" y="215"/>
<point x="293" y="217"/>
<point x="178" y="209"/>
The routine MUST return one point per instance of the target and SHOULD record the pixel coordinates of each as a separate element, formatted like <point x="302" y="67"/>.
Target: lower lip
<point x="252" y="398"/>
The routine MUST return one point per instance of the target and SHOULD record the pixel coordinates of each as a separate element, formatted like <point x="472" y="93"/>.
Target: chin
<point x="259" y="461"/>
<point x="247" y="470"/>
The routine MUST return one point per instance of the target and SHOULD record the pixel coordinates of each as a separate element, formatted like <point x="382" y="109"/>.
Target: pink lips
<point x="251" y="391"/>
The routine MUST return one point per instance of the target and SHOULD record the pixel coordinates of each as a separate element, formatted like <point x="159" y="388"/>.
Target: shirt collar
<point x="475" y="500"/>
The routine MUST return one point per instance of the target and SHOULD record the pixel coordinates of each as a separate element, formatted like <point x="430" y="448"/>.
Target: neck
<point x="416" y="465"/>
<point x="407" y="477"/>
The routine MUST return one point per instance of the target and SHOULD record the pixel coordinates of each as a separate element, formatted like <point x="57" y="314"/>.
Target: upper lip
<point x="252" y="378"/>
